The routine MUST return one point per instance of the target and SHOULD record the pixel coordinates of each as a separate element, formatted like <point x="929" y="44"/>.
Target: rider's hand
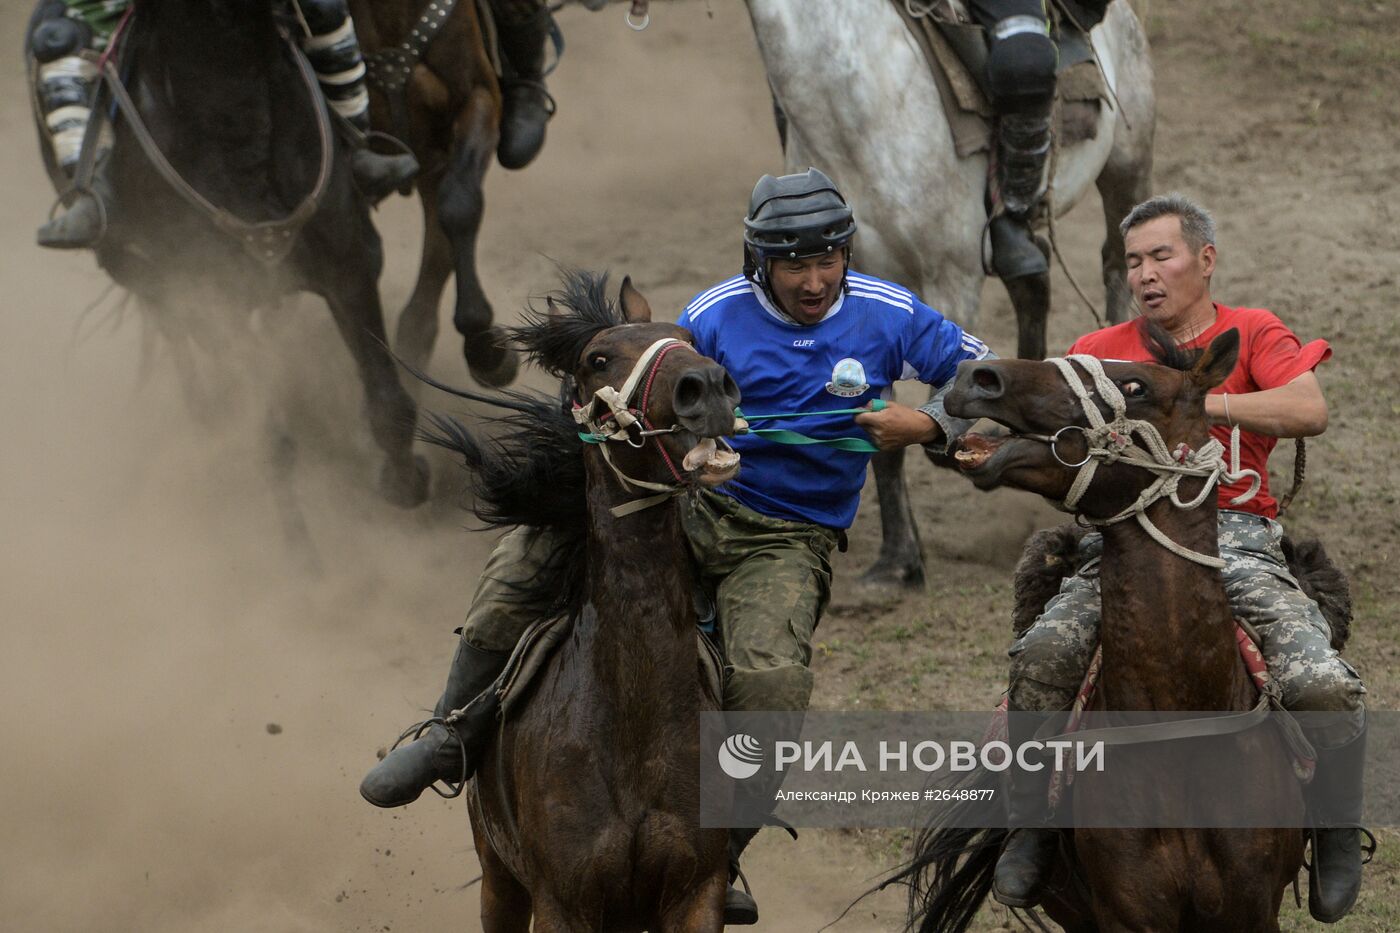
<point x="898" y="426"/>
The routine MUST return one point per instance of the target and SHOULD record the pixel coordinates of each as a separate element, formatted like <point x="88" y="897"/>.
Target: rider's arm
<point x="1295" y="409"/>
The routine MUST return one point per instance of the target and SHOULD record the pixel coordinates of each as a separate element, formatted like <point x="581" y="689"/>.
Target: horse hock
<point x="461" y="205"/>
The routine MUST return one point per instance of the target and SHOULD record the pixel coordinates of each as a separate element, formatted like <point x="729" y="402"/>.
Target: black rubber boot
<point x="1334" y="802"/>
<point x="1029" y="854"/>
<point x="526" y="103"/>
<point x="1015" y="251"/>
<point x="378" y="176"/>
<point x="82" y="225"/>
<point x="444" y="752"/>
<point x="740" y="909"/>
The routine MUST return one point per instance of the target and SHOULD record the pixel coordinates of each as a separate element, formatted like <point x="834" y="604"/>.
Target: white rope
<point x="1113" y="441"/>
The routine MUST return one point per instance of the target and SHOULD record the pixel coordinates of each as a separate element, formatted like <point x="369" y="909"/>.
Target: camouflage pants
<point x="770" y="580"/>
<point x="1049" y="660"/>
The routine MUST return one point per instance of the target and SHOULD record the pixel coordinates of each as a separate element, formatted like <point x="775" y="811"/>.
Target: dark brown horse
<point x="229" y="188"/>
<point x="585" y="811"/>
<point x="1129" y="879"/>
<point x="449" y="113"/>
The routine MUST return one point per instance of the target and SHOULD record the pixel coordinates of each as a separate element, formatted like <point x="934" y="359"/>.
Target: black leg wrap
<point x="334" y="53"/>
<point x="1023" y="153"/>
<point x="523" y="27"/>
<point x="1334" y="803"/>
<point x="1028" y="858"/>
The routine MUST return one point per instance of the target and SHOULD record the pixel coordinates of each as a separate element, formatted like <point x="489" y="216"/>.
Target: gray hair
<point x="1197" y="226"/>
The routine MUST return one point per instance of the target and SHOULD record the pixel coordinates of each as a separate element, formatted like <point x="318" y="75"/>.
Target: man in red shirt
<point x="1273" y="393"/>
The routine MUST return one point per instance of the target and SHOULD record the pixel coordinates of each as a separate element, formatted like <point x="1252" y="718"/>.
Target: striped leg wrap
<point x="334" y="53"/>
<point x="65" y="91"/>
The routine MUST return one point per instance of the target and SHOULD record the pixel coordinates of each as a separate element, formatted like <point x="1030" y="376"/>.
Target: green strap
<point x="783" y="436"/>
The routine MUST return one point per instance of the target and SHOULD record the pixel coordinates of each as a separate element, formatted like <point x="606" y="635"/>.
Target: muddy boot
<point x="1023" y="151"/>
<point x="526" y="103"/>
<point x="378" y="176"/>
<point x="1029" y="854"/>
<point x="740" y="909"/>
<point x="334" y="52"/>
<point x="445" y="751"/>
<point x="1334" y="802"/>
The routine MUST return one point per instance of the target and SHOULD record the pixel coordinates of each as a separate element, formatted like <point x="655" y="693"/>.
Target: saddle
<point x="543" y="638"/>
<point x="956" y="50"/>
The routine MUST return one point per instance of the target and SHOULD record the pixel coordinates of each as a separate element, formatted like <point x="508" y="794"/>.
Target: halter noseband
<point x="1112" y="442"/>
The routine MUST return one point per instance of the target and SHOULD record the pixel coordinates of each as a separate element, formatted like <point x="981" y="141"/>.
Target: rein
<point x="618" y="422"/>
<point x="1112" y="442"/>
<point x="268" y="241"/>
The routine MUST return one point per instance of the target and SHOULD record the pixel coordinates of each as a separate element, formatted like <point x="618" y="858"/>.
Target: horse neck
<point x="640" y="584"/>
<point x="1167" y="629"/>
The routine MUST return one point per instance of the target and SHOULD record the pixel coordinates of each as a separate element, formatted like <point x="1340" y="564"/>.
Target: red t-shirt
<point x="1270" y="356"/>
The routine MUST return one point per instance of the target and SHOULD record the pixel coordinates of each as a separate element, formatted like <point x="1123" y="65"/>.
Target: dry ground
<point x="155" y="633"/>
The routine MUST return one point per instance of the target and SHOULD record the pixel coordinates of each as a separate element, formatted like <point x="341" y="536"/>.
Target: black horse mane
<point x="1164" y="347"/>
<point x="531" y="472"/>
<point x="554" y="338"/>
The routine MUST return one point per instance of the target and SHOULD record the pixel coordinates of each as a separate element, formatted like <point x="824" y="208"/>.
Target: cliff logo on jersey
<point x="848" y="379"/>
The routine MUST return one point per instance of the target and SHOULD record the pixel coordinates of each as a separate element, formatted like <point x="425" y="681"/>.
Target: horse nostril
<point x="731" y="390"/>
<point x="987" y="379"/>
<point x="689" y="393"/>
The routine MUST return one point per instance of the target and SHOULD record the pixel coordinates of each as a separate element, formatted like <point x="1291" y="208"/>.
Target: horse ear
<point x="1218" y="360"/>
<point x="635" y="308"/>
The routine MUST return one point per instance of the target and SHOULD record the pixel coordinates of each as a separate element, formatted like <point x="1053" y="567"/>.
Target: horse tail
<point x="950" y="872"/>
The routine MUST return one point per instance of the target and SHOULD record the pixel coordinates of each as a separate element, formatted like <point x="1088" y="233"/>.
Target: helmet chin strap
<point x="756" y="270"/>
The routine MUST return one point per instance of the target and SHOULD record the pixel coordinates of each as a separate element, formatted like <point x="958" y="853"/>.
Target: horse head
<point x="1064" y="416"/>
<point x="636" y="382"/>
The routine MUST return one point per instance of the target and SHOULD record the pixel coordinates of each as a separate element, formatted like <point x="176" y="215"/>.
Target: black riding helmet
<point x="794" y="217"/>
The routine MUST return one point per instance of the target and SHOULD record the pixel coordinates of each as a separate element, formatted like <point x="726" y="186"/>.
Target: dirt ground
<point x="186" y="714"/>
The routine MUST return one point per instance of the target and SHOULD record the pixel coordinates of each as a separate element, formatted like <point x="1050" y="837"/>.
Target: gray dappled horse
<point x="862" y="105"/>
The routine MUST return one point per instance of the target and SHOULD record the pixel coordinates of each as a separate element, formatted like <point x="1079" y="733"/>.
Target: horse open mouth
<point x="974" y="450"/>
<point x="715" y="460"/>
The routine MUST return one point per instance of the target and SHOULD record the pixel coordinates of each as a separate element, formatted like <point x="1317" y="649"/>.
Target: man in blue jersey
<point x="798" y="331"/>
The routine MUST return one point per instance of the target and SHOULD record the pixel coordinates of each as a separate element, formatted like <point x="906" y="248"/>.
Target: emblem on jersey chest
<point x="848" y="379"/>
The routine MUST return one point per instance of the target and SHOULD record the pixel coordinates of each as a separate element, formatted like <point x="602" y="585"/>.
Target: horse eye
<point x="599" y="362"/>
<point x="1134" y="389"/>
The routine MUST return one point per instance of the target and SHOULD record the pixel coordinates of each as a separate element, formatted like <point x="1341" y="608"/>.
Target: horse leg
<point x="701" y="912"/>
<point x="505" y="903"/>
<point x="1123" y="184"/>
<point x="901" y="561"/>
<point x="460" y="207"/>
<point x="418" y="324"/>
<point x="354" y="301"/>
<point x="1030" y="296"/>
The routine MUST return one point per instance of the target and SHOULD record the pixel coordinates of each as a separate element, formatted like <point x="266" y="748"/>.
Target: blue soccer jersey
<point x="875" y="333"/>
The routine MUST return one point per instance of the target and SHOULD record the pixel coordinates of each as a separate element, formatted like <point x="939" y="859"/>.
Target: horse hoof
<point x="891" y="576"/>
<point x="405" y="491"/>
<point x="491" y="365"/>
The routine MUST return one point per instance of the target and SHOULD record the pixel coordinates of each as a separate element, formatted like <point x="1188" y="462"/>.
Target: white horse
<point x="861" y="105"/>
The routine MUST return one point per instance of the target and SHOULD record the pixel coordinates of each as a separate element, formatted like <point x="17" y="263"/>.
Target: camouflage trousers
<point x="1049" y="660"/>
<point x="770" y="580"/>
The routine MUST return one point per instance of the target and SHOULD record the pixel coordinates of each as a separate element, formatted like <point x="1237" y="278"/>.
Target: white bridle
<point x="1112" y="442"/>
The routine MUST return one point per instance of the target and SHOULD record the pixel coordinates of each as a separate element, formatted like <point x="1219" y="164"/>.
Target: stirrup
<point x="414" y="732"/>
<point x="1368" y="845"/>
